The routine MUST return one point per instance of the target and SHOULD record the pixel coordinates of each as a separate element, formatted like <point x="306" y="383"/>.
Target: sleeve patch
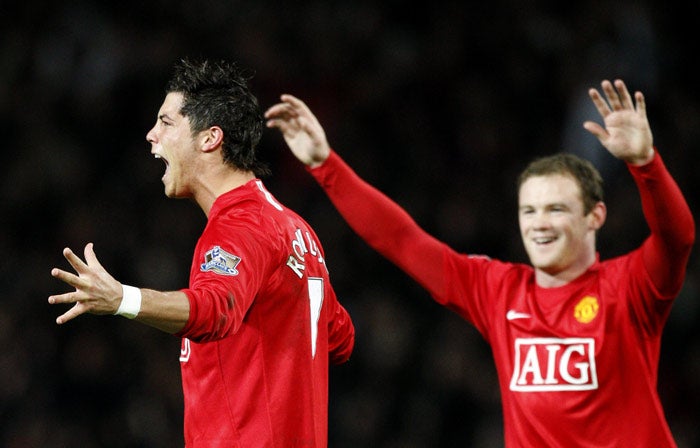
<point x="221" y="262"/>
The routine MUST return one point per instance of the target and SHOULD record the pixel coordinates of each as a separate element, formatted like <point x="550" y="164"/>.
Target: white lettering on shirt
<point x="185" y="350"/>
<point x="302" y="244"/>
<point x="554" y="364"/>
<point x="268" y="196"/>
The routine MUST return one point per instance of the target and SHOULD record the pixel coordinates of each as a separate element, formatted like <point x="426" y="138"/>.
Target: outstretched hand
<point x="96" y="292"/>
<point x="627" y="134"/>
<point x="300" y="129"/>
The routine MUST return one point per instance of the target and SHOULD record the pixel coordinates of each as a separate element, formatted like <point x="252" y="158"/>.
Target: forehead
<point x="171" y="105"/>
<point x="549" y="189"/>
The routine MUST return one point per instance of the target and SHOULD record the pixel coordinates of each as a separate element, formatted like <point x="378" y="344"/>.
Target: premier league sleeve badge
<point x="221" y="262"/>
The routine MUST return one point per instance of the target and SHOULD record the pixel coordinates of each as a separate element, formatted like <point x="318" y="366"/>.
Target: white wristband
<point x="131" y="302"/>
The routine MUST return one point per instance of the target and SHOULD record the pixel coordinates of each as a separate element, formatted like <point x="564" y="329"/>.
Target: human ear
<point x="211" y="139"/>
<point x="597" y="215"/>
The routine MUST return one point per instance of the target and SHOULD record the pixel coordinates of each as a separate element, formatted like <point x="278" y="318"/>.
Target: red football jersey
<point x="264" y="325"/>
<point x="577" y="365"/>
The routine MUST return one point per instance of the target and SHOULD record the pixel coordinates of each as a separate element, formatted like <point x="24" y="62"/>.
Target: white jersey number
<point x="315" y="303"/>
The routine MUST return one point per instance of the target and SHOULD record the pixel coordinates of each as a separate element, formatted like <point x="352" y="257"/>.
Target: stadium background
<point x="439" y="105"/>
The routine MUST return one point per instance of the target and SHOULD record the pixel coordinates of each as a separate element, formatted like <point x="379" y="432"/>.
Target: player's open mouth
<point x="167" y="165"/>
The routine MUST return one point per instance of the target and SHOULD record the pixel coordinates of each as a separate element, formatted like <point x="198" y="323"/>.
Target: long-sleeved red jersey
<point x="264" y="325"/>
<point x="577" y="364"/>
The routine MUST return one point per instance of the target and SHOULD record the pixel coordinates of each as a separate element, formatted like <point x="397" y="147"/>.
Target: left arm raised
<point x="627" y="136"/>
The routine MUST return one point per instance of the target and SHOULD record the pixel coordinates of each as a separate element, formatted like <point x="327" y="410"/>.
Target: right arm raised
<point x="379" y="221"/>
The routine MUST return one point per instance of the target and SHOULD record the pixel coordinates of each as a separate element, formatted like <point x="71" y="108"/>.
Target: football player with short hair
<point x="260" y="322"/>
<point x="575" y="339"/>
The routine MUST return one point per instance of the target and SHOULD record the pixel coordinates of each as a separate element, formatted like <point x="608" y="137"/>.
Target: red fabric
<point x="577" y="364"/>
<point x="248" y="372"/>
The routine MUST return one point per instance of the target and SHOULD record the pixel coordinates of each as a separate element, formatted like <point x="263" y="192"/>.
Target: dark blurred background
<point x="439" y="105"/>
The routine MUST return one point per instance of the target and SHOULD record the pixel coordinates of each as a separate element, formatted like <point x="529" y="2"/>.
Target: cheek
<point x="523" y="224"/>
<point x="576" y="235"/>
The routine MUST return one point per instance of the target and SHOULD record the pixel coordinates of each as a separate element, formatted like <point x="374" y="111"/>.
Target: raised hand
<point x="96" y="291"/>
<point x="627" y="134"/>
<point x="300" y="128"/>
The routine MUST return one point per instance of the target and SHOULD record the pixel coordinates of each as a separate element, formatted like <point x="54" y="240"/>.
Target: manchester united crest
<point x="587" y="309"/>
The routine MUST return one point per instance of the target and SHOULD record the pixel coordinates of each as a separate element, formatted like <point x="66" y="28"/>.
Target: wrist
<point x="643" y="160"/>
<point x="319" y="159"/>
<point x="315" y="163"/>
<point x="130" y="305"/>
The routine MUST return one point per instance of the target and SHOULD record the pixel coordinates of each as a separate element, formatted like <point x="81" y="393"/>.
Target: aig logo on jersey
<point x="554" y="364"/>
<point x="219" y="261"/>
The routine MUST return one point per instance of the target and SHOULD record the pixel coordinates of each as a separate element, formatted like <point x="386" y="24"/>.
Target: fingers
<point x="69" y="297"/>
<point x="595" y="129"/>
<point x="90" y="256"/>
<point x="641" y="104"/>
<point x="69" y="278"/>
<point x="291" y="116"/>
<point x="74" y="260"/>
<point x="281" y="116"/>
<point x="73" y="280"/>
<point x="299" y="107"/>
<point x="599" y="103"/>
<point x="294" y="101"/>
<point x="71" y="314"/>
<point x="617" y="97"/>
<point x="612" y="95"/>
<point x="623" y="95"/>
<point x="281" y="110"/>
<point x="77" y="264"/>
<point x="289" y="108"/>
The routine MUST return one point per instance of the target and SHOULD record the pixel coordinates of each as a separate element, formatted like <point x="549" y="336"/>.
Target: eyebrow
<point x="563" y="204"/>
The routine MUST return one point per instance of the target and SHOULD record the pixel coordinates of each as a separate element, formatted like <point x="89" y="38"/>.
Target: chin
<point x="544" y="265"/>
<point x="169" y="192"/>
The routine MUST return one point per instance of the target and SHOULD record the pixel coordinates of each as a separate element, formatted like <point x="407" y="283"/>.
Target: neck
<point x="213" y="185"/>
<point x="545" y="279"/>
<point x="553" y="278"/>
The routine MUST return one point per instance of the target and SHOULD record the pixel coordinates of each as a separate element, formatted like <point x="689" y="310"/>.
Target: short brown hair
<point x="582" y="171"/>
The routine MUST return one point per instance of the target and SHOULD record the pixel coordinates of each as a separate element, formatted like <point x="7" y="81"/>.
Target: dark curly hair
<point x="216" y="93"/>
<point x="582" y="171"/>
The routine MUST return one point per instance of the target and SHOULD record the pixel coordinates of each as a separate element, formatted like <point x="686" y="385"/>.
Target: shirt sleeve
<point x="666" y="251"/>
<point x="383" y="224"/>
<point x="220" y="300"/>
<point x="341" y="334"/>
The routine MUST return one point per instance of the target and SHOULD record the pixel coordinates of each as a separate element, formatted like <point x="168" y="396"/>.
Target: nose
<point x="151" y="135"/>
<point x="540" y="221"/>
